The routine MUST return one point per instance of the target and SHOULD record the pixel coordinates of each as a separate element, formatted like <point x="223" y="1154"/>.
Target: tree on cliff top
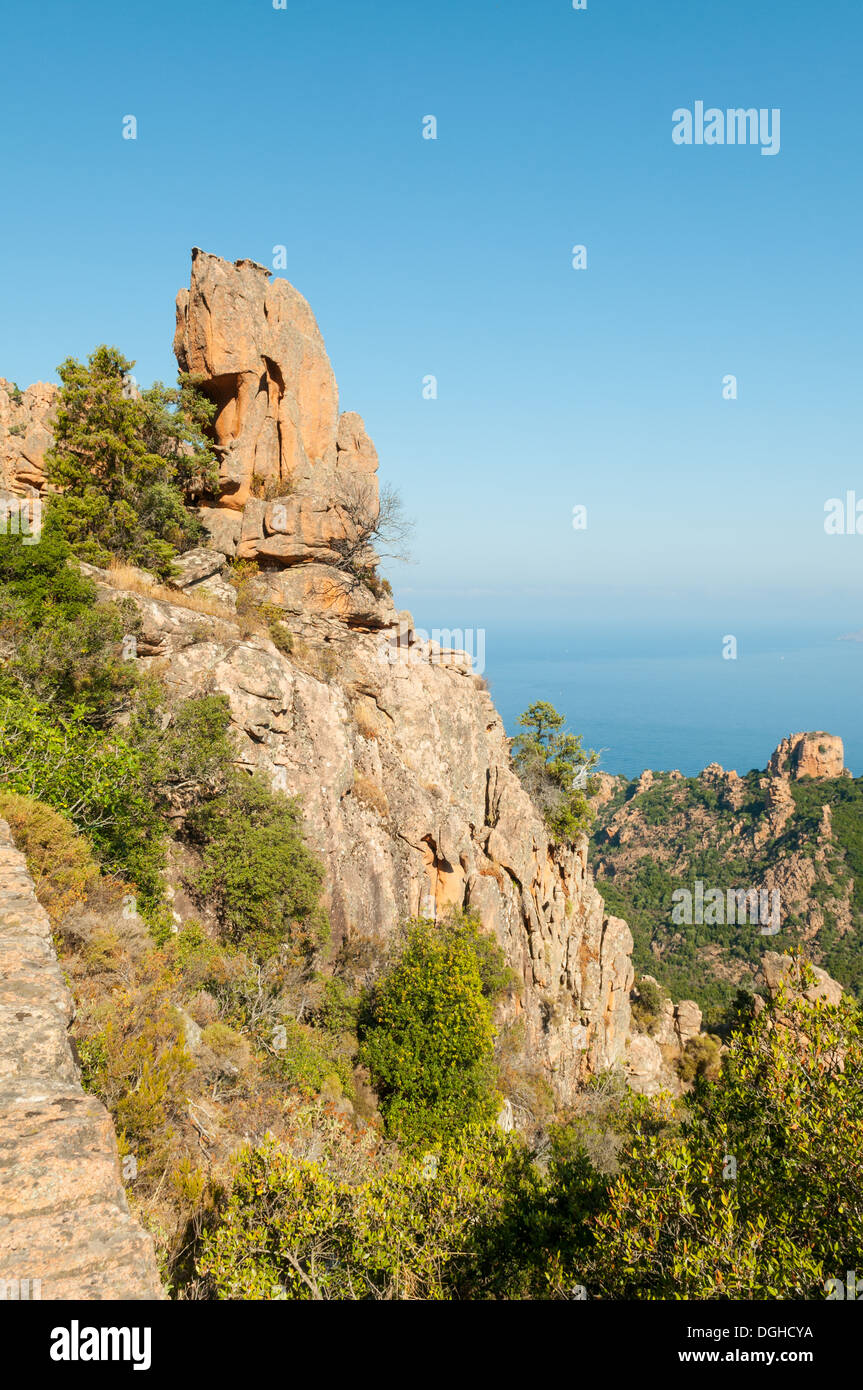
<point x="124" y="461"/>
<point x="555" y="769"/>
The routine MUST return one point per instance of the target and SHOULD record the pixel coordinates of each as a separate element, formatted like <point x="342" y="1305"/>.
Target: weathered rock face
<point x="65" y="1228"/>
<point x="396" y="749"/>
<point x="26" y="432"/>
<point x="808" y="755"/>
<point x="403" y="767"/>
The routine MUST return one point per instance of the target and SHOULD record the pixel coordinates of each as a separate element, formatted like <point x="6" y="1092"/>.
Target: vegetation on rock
<point x="555" y="770"/>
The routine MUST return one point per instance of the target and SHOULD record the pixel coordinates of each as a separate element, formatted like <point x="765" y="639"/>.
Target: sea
<point x="678" y="698"/>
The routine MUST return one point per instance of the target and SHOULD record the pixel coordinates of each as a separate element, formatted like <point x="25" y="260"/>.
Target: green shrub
<point x="701" y="1057"/>
<point x="427" y="1035"/>
<point x="304" y="1059"/>
<point x="280" y="633"/>
<point x="41" y="582"/>
<point x="682" y="1223"/>
<point x="136" y="1062"/>
<point x="95" y="779"/>
<point x="257" y="871"/>
<point x="338" y="1011"/>
<point x="468" y="1222"/>
<point x="647" y="1007"/>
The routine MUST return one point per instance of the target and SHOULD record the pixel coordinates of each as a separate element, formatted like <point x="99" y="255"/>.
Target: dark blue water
<point x="669" y="699"/>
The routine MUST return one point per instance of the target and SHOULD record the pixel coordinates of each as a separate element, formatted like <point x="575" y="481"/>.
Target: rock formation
<point x="808" y="755"/>
<point x="25" y="435"/>
<point x="65" y="1228"/>
<point x="752" y="833"/>
<point x="653" y="1055"/>
<point x="779" y="971"/>
<point x="394" y="745"/>
<point x="295" y="476"/>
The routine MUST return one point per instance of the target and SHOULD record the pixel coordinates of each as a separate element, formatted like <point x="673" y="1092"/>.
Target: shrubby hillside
<point x="793" y="832"/>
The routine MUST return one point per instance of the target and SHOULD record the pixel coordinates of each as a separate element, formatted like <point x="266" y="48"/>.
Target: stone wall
<point x="65" y="1227"/>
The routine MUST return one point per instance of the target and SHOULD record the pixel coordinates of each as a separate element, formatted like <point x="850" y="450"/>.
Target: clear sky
<point x="453" y="257"/>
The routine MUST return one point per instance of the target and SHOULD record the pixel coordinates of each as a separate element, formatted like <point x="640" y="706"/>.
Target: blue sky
<point x="302" y="127"/>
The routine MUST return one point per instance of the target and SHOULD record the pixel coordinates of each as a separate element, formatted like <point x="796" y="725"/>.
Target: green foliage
<point x="280" y="633"/>
<point x="62" y="647"/>
<point x="39" y="584"/>
<point x="700" y="1058"/>
<point x="96" y="779"/>
<point x="339" y="1009"/>
<point x="435" y="1227"/>
<point x="305" y="1059"/>
<point x="427" y="1037"/>
<point x="682" y="1224"/>
<point x="555" y="768"/>
<point x="137" y="1063"/>
<point x="257" y="871"/>
<point x="647" y="1007"/>
<point x="123" y="460"/>
<point x="189" y="752"/>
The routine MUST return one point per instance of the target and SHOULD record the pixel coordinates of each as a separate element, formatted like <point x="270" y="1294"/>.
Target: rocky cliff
<point x="391" y="740"/>
<point x="65" y="1228"/>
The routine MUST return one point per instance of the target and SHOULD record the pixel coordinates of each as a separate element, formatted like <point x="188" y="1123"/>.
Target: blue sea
<point x="668" y="699"/>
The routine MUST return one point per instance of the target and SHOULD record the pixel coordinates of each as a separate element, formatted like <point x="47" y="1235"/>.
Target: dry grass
<point x="131" y="580"/>
<point x="371" y="795"/>
<point x="367" y="724"/>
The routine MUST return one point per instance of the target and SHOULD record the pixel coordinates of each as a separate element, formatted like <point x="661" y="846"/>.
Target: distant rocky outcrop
<point x="654" y="1053"/>
<point x="808" y="755"/>
<point x="783" y="972"/>
<point x="791" y="847"/>
<point x="65" y="1227"/>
